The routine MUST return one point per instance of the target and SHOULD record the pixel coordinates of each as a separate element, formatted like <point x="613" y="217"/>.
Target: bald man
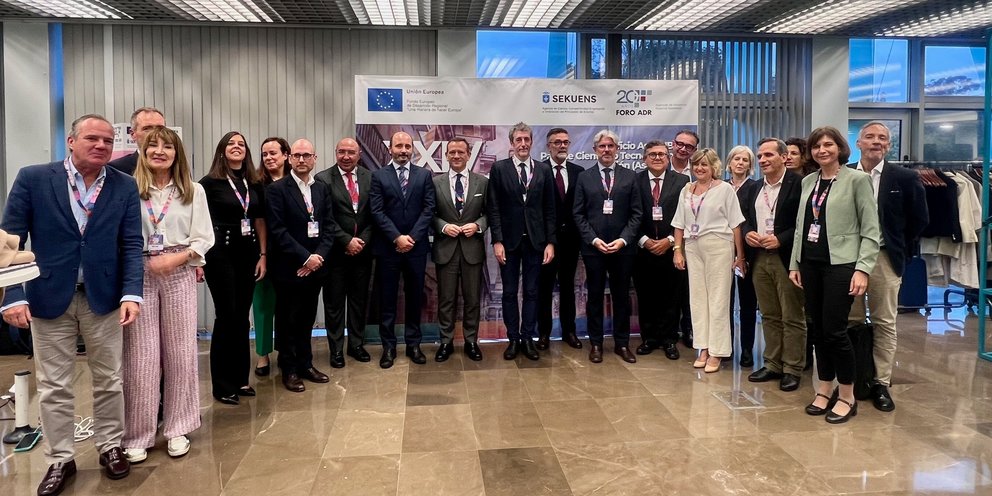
<point x="301" y="233"/>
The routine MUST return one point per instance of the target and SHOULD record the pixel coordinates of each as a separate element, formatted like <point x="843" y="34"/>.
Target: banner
<point x="434" y="110"/>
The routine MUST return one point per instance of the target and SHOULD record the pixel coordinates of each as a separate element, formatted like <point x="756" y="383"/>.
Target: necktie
<point x="607" y="181"/>
<point x="656" y="190"/>
<point x="560" y="181"/>
<point x="523" y="175"/>
<point x="404" y="182"/>
<point x="352" y="190"/>
<point x="459" y="194"/>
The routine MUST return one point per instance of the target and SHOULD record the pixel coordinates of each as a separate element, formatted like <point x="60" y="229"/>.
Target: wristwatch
<point x="671" y="239"/>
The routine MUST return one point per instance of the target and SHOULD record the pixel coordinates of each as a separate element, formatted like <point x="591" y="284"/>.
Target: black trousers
<point x="656" y="280"/>
<point x="347" y="286"/>
<point x="296" y="310"/>
<point x="681" y="287"/>
<point x="388" y="271"/>
<point x="560" y="270"/>
<point x="614" y="268"/>
<point x="827" y="307"/>
<point x="749" y="310"/>
<point x="525" y="259"/>
<point x="230" y="275"/>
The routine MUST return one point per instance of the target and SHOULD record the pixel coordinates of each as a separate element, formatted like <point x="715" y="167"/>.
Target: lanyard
<point x="817" y="202"/>
<point x="692" y="203"/>
<point x="165" y="208"/>
<point x="87" y="207"/>
<point x="771" y="206"/>
<point x="306" y="199"/>
<point x="244" y="201"/>
<point x="608" y="188"/>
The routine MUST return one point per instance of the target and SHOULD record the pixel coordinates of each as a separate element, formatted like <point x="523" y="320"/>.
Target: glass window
<point x="953" y="135"/>
<point x="530" y="54"/>
<point x="895" y="129"/>
<point x="738" y="67"/>
<point x="879" y="70"/>
<point x="954" y="71"/>
<point x="597" y="56"/>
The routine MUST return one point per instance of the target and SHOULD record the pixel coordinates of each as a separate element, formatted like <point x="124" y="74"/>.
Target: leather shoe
<point x="313" y="375"/>
<point x="528" y="349"/>
<point x="747" y="358"/>
<point x="337" y="360"/>
<point x="789" y="382"/>
<point x="231" y="399"/>
<point x="624" y="353"/>
<point x="764" y="375"/>
<point x="415" y="355"/>
<point x="543" y="342"/>
<point x="687" y="338"/>
<point x="472" y="351"/>
<point x="672" y="351"/>
<point x="812" y="409"/>
<point x="359" y="353"/>
<point x="54" y="481"/>
<point x="115" y="463"/>
<point x="572" y="340"/>
<point x="646" y="348"/>
<point x="293" y="382"/>
<point x="834" y="418"/>
<point x="511" y="350"/>
<point x="388" y="355"/>
<point x="596" y="353"/>
<point x="262" y="371"/>
<point x="246" y="391"/>
<point x="881" y="399"/>
<point x="443" y="352"/>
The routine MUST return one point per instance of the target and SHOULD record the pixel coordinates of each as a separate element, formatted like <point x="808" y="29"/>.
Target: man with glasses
<point x="683" y="146"/>
<point x="562" y="268"/>
<point x="402" y="201"/>
<point x="654" y="271"/>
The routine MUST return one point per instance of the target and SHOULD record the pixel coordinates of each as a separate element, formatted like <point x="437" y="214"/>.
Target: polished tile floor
<point x="564" y="426"/>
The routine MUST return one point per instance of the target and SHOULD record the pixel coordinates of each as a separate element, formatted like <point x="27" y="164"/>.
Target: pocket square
<point x="478" y="194"/>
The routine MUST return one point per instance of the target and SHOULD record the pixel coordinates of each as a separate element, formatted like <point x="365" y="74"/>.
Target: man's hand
<point x="19" y="316"/>
<point x="549" y="254"/>
<point x="500" y="253"/>
<point x="404" y="243"/>
<point x="314" y="262"/>
<point x="616" y="245"/>
<point x="470" y="229"/>
<point x="129" y="312"/>
<point x="355" y="246"/>
<point x="753" y="239"/>
<point x="451" y="230"/>
<point x="770" y="242"/>
<point x="601" y="246"/>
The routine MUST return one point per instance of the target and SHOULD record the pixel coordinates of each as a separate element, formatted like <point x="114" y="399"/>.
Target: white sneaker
<point x="178" y="446"/>
<point x="136" y="455"/>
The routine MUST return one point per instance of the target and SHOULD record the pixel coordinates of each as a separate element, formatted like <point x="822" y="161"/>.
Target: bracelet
<point x="676" y="247"/>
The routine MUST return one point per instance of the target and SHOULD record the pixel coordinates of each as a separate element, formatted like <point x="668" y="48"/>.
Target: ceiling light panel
<point x="832" y="16"/>
<point x="75" y="9"/>
<point x="953" y="20"/>
<point x="692" y="14"/>
<point x="220" y="10"/>
<point x="534" y="13"/>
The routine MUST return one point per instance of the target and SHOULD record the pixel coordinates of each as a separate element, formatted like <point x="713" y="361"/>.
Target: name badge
<point x="607" y="207"/>
<point x="313" y="230"/>
<point x="245" y="227"/>
<point x="694" y="230"/>
<point x="814" y="233"/>
<point x="156" y="243"/>
<point x="656" y="214"/>
<point x="769" y="226"/>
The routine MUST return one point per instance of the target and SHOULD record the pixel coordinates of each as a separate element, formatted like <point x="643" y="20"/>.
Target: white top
<point x="304" y="187"/>
<point x="876" y="176"/>
<point x="183" y="225"/>
<point x="451" y="185"/>
<point x="765" y="204"/>
<point x="719" y="211"/>
<point x="564" y="171"/>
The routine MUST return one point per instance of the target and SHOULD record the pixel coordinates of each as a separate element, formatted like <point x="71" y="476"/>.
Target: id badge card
<point x="814" y="233"/>
<point x="656" y="214"/>
<point x="694" y="230"/>
<point x="607" y="207"/>
<point x="313" y="230"/>
<point x="156" y="243"/>
<point x="769" y="226"/>
<point x="245" y="227"/>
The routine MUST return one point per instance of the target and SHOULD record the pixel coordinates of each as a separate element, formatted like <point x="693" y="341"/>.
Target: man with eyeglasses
<point x="562" y="268"/>
<point x="402" y="202"/>
<point x="350" y="265"/>
<point x="301" y="232"/>
<point x="684" y="145"/>
<point x="654" y="270"/>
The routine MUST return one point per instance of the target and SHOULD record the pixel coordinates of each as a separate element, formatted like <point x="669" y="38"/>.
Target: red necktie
<point x="353" y="192"/>
<point x="560" y="181"/>
<point x="656" y="191"/>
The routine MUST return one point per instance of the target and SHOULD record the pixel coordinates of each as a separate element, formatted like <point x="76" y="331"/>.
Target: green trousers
<point x="263" y="309"/>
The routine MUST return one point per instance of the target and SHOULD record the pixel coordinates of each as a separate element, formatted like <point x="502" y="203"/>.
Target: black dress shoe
<point x="359" y="353"/>
<point x="115" y="463"/>
<point x="687" y="338"/>
<point x="293" y="382"/>
<point x="54" y="481"/>
<point x="764" y="375"/>
<point x="595" y="353"/>
<point x="445" y="351"/>
<point x="833" y="418"/>
<point x="572" y="340"/>
<point x="747" y="358"/>
<point x="415" y="355"/>
<point x="263" y="371"/>
<point x="313" y="375"/>
<point x="728" y="358"/>
<point x="789" y="382"/>
<point x="624" y="353"/>
<point x="231" y="399"/>
<point x="337" y="360"/>
<point x="646" y="348"/>
<point x="511" y="350"/>
<point x="881" y="399"/>
<point x="812" y="409"/>
<point x="543" y="342"/>
<point x="246" y="391"/>
<point x="529" y="349"/>
<point x="472" y="351"/>
<point x="672" y="351"/>
<point x="388" y="355"/>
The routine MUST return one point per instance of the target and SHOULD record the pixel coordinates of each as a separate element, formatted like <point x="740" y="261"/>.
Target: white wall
<point x="27" y="105"/>
<point x="456" y="53"/>
<point x="831" y="73"/>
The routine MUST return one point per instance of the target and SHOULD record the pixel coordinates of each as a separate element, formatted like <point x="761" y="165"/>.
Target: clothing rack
<point x="984" y="291"/>
<point x="939" y="164"/>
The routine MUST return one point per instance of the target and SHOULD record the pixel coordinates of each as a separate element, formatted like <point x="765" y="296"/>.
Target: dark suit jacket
<point x="671" y="188"/>
<point x="474" y="210"/>
<point x="396" y="215"/>
<point x="786" y="210"/>
<point x="286" y="219"/>
<point x="565" y="231"/>
<point x="125" y="164"/>
<point x="109" y="252"/>
<point x="345" y="216"/>
<point x="510" y="217"/>
<point x="590" y="220"/>
<point x="902" y="212"/>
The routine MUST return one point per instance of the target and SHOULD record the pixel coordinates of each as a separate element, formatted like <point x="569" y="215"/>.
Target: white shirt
<point x="564" y="172"/>
<point x="876" y="176"/>
<point x="719" y="211"/>
<point x="765" y="204"/>
<point x="685" y="172"/>
<point x="183" y="225"/>
<point x="661" y="184"/>
<point x="451" y="185"/>
<point x="304" y="188"/>
<point x="528" y="166"/>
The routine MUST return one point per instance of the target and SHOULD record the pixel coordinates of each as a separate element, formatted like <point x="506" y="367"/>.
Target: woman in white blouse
<point x="162" y="342"/>
<point x="707" y="236"/>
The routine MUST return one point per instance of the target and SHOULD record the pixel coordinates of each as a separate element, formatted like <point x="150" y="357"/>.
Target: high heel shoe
<point x="833" y="418"/>
<point x="263" y="370"/>
<point x="700" y="362"/>
<point x="711" y="367"/>
<point x="812" y="409"/>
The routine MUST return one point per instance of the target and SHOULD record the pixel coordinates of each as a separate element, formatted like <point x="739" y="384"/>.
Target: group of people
<point x="270" y="238"/>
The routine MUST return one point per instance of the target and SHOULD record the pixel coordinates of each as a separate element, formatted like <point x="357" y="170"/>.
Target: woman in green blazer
<point x="836" y="244"/>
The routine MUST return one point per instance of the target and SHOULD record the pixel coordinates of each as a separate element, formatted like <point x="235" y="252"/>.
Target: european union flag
<point x="385" y="99"/>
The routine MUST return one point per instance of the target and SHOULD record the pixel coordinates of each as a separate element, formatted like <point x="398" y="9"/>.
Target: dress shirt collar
<point x="396" y="167"/>
<point x="877" y="168"/>
<point x="344" y="173"/>
<point x="603" y="167"/>
<point x="554" y="164"/>
<point x="171" y="183"/>
<point x="78" y="177"/>
<point x="299" y="182"/>
<point x="452" y="174"/>
<point x="517" y="162"/>
<point x="652" y="177"/>
<point x="776" y="183"/>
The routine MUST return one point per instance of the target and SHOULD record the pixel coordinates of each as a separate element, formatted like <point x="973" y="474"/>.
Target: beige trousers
<point x="883" y="303"/>
<point x="710" y="261"/>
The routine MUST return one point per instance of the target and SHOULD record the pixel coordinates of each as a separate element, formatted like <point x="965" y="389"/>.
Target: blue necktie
<point x="404" y="182"/>
<point x="459" y="194"/>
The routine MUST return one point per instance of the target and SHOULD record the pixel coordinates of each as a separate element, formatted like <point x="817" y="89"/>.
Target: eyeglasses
<point x="657" y="155"/>
<point x="687" y="146"/>
<point x="561" y="143"/>
<point x="303" y="156"/>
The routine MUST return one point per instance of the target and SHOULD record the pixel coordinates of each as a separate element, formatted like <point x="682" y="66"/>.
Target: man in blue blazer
<point x="402" y="202"/>
<point x="84" y="223"/>
<point x="903" y="214"/>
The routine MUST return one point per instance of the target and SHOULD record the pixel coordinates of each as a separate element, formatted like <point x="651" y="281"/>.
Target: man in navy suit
<point x="903" y="214"/>
<point x="522" y="221"/>
<point x="402" y="202"/>
<point x="301" y="231"/>
<point x="142" y="121"/>
<point x="84" y="223"/>
<point x="607" y="214"/>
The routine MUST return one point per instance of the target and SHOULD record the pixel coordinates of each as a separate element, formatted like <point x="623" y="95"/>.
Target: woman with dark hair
<point x="235" y="197"/>
<point x="836" y="245"/>
<point x="275" y="166"/>
<point x="796" y="159"/>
